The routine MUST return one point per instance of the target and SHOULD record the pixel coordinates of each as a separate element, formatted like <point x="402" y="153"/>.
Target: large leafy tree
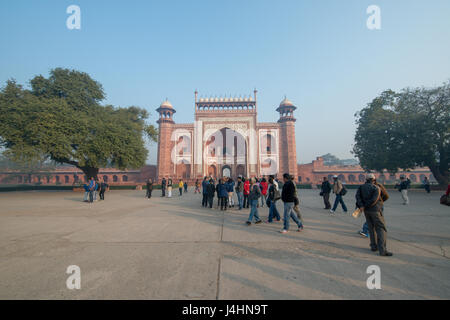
<point x="61" y="119"/>
<point x="405" y="130"/>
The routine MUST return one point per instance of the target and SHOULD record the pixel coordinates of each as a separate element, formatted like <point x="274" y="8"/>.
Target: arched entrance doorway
<point x="226" y="171"/>
<point x="226" y="150"/>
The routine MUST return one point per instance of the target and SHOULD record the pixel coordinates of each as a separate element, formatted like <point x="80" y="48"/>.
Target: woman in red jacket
<point x="246" y="192"/>
<point x="264" y="187"/>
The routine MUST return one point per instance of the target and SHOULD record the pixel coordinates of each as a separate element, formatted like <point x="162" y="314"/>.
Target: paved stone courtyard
<point x="131" y="248"/>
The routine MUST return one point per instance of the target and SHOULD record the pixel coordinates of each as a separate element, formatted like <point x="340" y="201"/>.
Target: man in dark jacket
<point x="288" y="195"/>
<point x="163" y="187"/>
<point x="222" y="193"/>
<point x="240" y="192"/>
<point x="205" y="186"/>
<point x="210" y="190"/>
<point x="369" y="198"/>
<point x="325" y="192"/>
<point x="103" y="187"/>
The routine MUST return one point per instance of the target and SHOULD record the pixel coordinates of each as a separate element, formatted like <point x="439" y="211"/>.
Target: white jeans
<point x="405" y="196"/>
<point x="169" y="192"/>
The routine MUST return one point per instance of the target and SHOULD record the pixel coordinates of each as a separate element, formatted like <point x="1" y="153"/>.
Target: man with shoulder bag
<point x="369" y="199"/>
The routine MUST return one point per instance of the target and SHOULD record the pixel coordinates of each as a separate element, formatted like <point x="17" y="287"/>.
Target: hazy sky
<point x="320" y="54"/>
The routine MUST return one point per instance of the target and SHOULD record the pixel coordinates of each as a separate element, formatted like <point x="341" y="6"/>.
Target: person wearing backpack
<point x="255" y="194"/>
<point x="369" y="199"/>
<point x="339" y="190"/>
<point x="273" y="196"/>
<point x="384" y="197"/>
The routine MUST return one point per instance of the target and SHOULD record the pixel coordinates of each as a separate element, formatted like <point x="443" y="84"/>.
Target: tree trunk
<point x="90" y="172"/>
<point x="443" y="178"/>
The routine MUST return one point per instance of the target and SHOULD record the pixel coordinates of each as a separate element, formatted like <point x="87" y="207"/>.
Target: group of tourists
<point x="167" y="186"/>
<point x="92" y="188"/>
<point x="254" y="193"/>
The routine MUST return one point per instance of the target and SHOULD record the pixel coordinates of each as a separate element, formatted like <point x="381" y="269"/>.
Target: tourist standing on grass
<point x="403" y="188"/>
<point x="240" y="192"/>
<point x="205" y="186"/>
<point x="210" y="190"/>
<point x="426" y="185"/>
<point x="325" y="191"/>
<point x="197" y="186"/>
<point x="273" y="196"/>
<point x="246" y="192"/>
<point x="163" y="187"/>
<point x="288" y="196"/>
<point x="222" y="193"/>
<point x="255" y="194"/>
<point x="369" y="199"/>
<point x="103" y="187"/>
<point x="149" y="188"/>
<point x="384" y="197"/>
<point x="338" y="190"/>
<point x="169" y="188"/>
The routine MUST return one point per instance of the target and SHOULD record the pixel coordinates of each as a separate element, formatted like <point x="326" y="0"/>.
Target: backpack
<point x="343" y="191"/>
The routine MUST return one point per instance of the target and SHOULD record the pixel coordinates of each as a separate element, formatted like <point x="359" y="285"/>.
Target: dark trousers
<point x="210" y="201"/>
<point x="340" y="200"/>
<point x="163" y="192"/>
<point x="91" y="196"/>
<point x="246" y="201"/>
<point x="205" y="200"/>
<point x="326" y="200"/>
<point x="149" y="193"/>
<point x="223" y="203"/>
<point x="181" y="191"/>
<point x="102" y="194"/>
<point x="376" y="224"/>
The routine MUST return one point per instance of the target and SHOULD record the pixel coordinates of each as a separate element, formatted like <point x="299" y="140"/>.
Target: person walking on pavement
<point x="384" y="196"/>
<point x="288" y="197"/>
<point x="273" y="196"/>
<point x="369" y="199"/>
<point x="325" y="192"/>
<point x="339" y="190"/>
<point x="255" y="194"/>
